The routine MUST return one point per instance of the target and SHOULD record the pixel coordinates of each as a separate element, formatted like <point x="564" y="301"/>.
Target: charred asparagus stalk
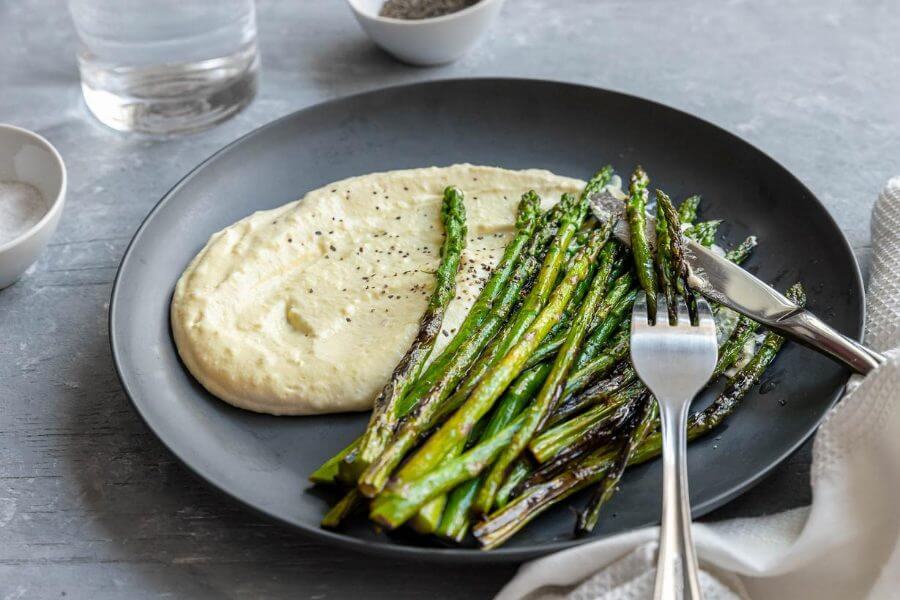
<point x="687" y="211"/>
<point x="553" y="388"/>
<point x="704" y="233"/>
<point x="328" y="472"/>
<point x="385" y="411"/>
<point x="422" y="415"/>
<point x="501" y="525"/>
<point x="643" y="425"/>
<point x="675" y="253"/>
<point x="622" y="376"/>
<point x="571" y="212"/>
<point x="527" y="219"/>
<point x="570" y="438"/>
<point x="739" y="253"/>
<point x="550" y="346"/>
<point x="617" y="306"/>
<point x="390" y="507"/>
<point x="342" y="509"/>
<point x="455" y="430"/>
<point x="664" y="267"/>
<point x="455" y="520"/>
<point x="635" y="209"/>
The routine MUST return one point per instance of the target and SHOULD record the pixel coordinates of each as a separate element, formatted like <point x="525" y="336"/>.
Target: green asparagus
<point x="455" y="430"/>
<point x="422" y="416"/>
<point x="687" y="211"/>
<point x="555" y="384"/>
<point x="527" y="219"/>
<point x="664" y="266"/>
<point x="704" y="233"/>
<point x="739" y="253"/>
<point x="640" y="247"/>
<point x="534" y="397"/>
<point x="455" y="521"/>
<point x="385" y="414"/>
<point x="642" y="426"/>
<point x="501" y="525"/>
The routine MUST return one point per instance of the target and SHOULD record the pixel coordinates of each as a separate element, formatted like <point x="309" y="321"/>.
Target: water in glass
<point x="165" y="66"/>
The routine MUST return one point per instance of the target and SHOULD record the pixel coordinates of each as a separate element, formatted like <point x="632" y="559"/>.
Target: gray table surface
<point x="93" y="506"/>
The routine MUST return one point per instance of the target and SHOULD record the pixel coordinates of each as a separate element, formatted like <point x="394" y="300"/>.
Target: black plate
<point x="263" y="461"/>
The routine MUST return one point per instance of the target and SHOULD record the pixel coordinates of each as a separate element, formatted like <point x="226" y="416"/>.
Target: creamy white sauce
<point x="307" y="308"/>
<point x="750" y="347"/>
<point x="615" y="188"/>
<point x="726" y="320"/>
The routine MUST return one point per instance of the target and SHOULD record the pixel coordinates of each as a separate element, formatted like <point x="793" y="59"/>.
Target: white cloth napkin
<point x="845" y="546"/>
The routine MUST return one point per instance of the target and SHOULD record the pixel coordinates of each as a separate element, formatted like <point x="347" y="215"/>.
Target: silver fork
<point x="674" y="361"/>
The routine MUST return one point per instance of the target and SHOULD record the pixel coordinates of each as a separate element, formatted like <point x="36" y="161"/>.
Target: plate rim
<point x="457" y="555"/>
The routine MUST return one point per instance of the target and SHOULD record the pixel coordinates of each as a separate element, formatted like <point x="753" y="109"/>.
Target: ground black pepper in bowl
<point x="422" y="9"/>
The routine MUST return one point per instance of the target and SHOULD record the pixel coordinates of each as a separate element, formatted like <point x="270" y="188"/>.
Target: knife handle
<point x="806" y="328"/>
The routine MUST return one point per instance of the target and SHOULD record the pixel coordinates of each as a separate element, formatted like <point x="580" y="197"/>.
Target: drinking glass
<point x="166" y="66"/>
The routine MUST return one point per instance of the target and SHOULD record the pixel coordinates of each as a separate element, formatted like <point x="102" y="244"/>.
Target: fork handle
<point x="676" y="567"/>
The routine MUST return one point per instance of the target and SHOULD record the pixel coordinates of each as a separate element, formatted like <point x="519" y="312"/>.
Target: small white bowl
<point x="426" y="42"/>
<point x="27" y="157"/>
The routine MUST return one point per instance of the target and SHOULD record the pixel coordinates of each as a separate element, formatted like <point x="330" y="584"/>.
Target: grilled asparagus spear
<point x="502" y="524"/>
<point x="635" y="209"/>
<point x="385" y="413"/>
<point x="555" y="384"/>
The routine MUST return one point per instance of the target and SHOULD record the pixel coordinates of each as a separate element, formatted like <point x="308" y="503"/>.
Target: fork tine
<point x="639" y="311"/>
<point x="662" y="310"/>
<point x="704" y="314"/>
<point x="684" y="315"/>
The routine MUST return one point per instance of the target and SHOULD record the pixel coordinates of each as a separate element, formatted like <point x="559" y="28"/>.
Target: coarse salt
<point x="21" y="206"/>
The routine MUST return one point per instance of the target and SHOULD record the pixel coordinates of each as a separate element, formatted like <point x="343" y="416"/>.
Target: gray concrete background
<point x="92" y="506"/>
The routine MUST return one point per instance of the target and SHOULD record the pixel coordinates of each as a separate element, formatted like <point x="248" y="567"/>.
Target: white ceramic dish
<point x="426" y="42"/>
<point x="27" y="157"/>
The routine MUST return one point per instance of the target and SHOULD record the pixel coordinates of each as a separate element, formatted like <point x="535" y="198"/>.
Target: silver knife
<point x="724" y="282"/>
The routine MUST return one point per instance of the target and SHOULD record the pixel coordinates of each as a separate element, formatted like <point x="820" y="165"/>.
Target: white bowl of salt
<point x="32" y="194"/>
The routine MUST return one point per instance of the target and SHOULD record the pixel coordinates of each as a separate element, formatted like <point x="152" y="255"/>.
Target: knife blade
<point x="722" y="281"/>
